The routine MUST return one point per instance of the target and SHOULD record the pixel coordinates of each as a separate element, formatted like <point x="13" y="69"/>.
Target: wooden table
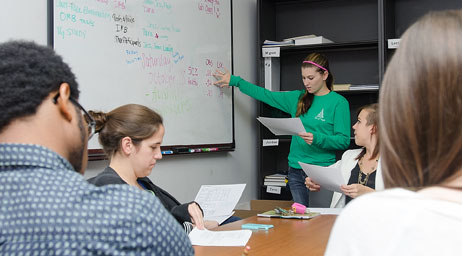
<point x="288" y="237"/>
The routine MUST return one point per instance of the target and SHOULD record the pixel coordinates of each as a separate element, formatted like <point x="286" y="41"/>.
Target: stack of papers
<point x="285" y="42"/>
<point x="298" y="40"/>
<point x="218" y="201"/>
<point x="275" y="180"/>
<point x="309" y="39"/>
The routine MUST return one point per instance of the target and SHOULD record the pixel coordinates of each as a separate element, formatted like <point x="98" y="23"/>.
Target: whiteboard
<point x="152" y="52"/>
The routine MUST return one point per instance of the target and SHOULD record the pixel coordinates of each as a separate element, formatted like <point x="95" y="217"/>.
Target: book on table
<point x="274" y="214"/>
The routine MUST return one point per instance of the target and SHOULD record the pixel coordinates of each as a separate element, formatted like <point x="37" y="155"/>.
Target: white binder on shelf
<point x="272" y="74"/>
<point x="272" y="68"/>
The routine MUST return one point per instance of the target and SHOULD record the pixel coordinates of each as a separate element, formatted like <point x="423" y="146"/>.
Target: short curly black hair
<point x="28" y="74"/>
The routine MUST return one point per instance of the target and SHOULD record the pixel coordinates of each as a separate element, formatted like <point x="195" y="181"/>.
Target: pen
<point x="246" y="251"/>
<point x="167" y="152"/>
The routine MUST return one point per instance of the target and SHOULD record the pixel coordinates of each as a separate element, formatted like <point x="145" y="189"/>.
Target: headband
<point x="317" y="65"/>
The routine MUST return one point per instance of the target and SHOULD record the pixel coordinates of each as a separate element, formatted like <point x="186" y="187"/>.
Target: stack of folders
<point x="299" y="40"/>
<point x="279" y="180"/>
<point x="310" y="39"/>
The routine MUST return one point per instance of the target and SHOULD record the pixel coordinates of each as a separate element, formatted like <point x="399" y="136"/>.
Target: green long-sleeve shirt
<point x="328" y="119"/>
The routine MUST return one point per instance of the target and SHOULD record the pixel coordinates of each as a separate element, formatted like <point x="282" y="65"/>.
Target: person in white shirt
<point x="420" y="212"/>
<point x="360" y="167"/>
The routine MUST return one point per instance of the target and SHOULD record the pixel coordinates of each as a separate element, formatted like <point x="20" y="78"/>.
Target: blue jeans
<point x="297" y="186"/>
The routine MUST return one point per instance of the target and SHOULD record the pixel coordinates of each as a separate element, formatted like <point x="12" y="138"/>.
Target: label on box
<point x="271" y="52"/>
<point x="273" y="190"/>
<point x="270" y="143"/>
<point x="393" y="43"/>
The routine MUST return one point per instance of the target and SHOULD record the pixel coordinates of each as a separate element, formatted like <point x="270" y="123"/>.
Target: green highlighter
<point x="256" y="226"/>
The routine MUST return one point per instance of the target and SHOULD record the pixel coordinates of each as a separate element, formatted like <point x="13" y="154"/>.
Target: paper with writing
<point x="218" y="200"/>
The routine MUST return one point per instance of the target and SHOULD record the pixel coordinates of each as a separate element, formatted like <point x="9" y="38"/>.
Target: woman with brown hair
<point x="324" y="113"/>
<point x="131" y="136"/>
<point x="421" y="147"/>
<point x="360" y="167"/>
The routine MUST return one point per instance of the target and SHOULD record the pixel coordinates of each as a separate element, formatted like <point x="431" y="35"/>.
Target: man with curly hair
<point x="46" y="206"/>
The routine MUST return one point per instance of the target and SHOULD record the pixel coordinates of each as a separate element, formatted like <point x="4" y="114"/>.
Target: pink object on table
<point x="298" y="208"/>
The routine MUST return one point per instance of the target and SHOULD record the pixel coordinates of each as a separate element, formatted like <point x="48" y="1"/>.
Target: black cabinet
<point x="359" y="29"/>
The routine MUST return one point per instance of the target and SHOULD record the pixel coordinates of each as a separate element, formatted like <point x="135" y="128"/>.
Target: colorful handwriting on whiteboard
<point x="177" y="57"/>
<point x="119" y="4"/>
<point x="154" y="62"/>
<point x="152" y="7"/>
<point x="161" y="78"/>
<point x="132" y="57"/>
<point x="71" y="32"/>
<point x="210" y="66"/>
<point x="211" y="7"/>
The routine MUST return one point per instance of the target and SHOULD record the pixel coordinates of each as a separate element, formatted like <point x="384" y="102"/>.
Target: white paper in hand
<point x="283" y="126"/>
<point x="327" y="177"/>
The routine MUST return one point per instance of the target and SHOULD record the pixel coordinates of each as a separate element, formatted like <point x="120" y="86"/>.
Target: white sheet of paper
<point x="283" y="126"/>
<point x="323" y="211"/>
<point x="219" y="200"/>
<point x="219" y="238"/>
<point x="219" y="219"/>
<point x="327" y="177"/>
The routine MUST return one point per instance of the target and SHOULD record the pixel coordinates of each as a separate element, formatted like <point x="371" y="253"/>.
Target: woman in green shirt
<point x="325" y="115"/>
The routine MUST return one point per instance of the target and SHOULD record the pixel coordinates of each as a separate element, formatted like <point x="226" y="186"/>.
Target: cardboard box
<point x="259" y="206"/>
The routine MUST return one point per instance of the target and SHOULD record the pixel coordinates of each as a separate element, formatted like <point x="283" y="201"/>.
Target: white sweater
<point x="346" y="165"/>
<point x="397" y="222"/>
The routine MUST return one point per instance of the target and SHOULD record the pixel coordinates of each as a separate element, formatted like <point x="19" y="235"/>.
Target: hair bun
<point x="100" y="119"/>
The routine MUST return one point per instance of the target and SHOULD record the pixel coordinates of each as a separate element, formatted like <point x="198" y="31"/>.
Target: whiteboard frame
<point x="99" y="154"/>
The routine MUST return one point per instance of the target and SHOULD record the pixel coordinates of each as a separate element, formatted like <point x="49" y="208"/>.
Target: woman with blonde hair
<point x="359" y="167"/>
<point x="421" y="147"/>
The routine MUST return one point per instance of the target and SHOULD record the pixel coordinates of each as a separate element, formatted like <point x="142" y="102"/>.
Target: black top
<point x="354" y="180"/>
<point x="179" y="211"/>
